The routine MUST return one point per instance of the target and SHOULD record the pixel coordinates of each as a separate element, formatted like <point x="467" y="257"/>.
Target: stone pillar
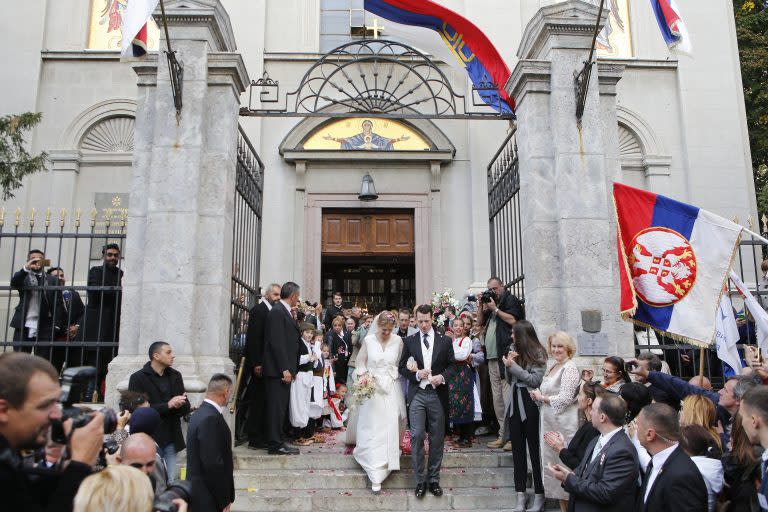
<point x="566" y="171"/>
<point x="177" y="281"/>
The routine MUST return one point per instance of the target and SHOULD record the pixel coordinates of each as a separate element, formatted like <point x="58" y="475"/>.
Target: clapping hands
<point x="555" y="440"/>
<point x="510" y="358"/>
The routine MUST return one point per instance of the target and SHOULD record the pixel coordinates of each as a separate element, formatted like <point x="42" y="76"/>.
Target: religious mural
<point x="105" y="26"/>
<point x="615" y="40"/>
<point x="367" y="135"/>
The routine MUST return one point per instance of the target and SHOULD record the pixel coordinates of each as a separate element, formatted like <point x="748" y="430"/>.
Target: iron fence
<point x="504" y="217"/>
<point x="246" y="244"/>
<point x="67" y="309"/>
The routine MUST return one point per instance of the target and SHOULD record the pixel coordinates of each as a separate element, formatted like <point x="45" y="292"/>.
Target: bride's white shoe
<point x="376" y="488"/>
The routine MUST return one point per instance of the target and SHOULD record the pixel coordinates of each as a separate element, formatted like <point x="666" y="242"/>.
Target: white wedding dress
<point x="381" y="418"/>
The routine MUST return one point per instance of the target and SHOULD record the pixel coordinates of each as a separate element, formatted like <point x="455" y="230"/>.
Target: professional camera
<point x="487" y="296"/>
<point x="72" y="382"/>
<point x="180" y="489"/>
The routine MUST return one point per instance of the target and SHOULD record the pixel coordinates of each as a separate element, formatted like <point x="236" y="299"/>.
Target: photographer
<point x="498" y="311"/>
<point x="29" y="393"/>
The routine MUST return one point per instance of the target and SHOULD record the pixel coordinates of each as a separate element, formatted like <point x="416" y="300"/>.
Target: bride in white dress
<point x="381" y="418"/>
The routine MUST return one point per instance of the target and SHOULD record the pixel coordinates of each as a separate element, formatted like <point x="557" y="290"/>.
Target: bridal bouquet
<point x="364" y="388"/>
<point x="441" y="301"/>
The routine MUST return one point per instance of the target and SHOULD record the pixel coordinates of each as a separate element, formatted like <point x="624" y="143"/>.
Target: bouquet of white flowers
<point x="441" y="301"/>
<point x="364" y="388"/>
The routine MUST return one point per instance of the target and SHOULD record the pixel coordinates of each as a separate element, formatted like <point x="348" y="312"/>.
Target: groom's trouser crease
<point x="426" y="408"/>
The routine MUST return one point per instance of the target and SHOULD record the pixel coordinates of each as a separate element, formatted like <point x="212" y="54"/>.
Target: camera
<point x="487" y="296"/>
<point x="631" y="365"/>
<point x="310" y="304"/>
<point x="180" y="489"/>
<point x="72" y="382"/>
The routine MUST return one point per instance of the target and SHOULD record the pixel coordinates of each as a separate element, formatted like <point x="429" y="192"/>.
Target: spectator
<point x="754" y="419"/>
<point x="651" y="362"/>
<point x="356" y="314"/>
<point x="611" y="483"/>
<point x="498" y="315"/>
<point x="741" y="468"/>
<point x="209" y="455"/>
<point x="341" y="347"/>
<point x="357" y="340"/>
<point x="404" y="328"/>
<point x="52" y="456"/>
<point x="29" y="393"/>
<point x="698" y="443"/>
<point x="461" y="385"/>
<point x="572" y="454"/>
<point x="73" y="308"/>
<point x="699" y="410"/>
<point x="525" y="366"/>
<point x="614" y="374"/>
<point x="165" y="388"/>
<point x="557" y="400"/>
<point x="333" y="311"/>
<point x="139" y="450"/>
<point x="636" y="396"/>
<point x="39" y="315"/>
<point x="118" y="489"/>
<point x="672" y="482"/>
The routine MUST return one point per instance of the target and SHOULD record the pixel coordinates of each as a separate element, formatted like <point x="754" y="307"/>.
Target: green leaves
<point x="15" y="160"/>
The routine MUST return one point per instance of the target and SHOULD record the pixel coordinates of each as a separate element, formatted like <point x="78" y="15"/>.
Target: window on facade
<point x="106" y="20"/>
<point x="342" y="21"/>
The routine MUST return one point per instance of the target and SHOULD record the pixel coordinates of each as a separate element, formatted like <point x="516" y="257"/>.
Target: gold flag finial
<point x="77" y="218"/>
<point x="47" y="217"/>
<point x="107" y="216"/>
<point x="62" y="217"/>
<point x="18" y="216"/>
<point x="32" y="218"/>
<point x="94" y="213"/>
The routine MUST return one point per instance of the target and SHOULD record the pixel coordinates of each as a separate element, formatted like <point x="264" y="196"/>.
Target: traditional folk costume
<point x="460" y="386"/>
<point x="317" y="402"/>
<point x="301" y="387"/>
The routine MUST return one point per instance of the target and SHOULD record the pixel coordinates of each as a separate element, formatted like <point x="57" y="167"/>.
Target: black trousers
<point x="522" y="433"/>
<point x="254" y="423"/>
<point x="277" y="395"/>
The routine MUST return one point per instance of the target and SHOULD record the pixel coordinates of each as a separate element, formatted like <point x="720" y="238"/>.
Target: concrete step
<point x="362" y="500"/>
<point x="259" y="460"/>
<point x="347" y="479"/>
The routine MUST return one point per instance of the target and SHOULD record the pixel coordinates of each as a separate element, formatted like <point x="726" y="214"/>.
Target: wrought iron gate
<point x="246" y="242"/>
<point x="504" y="217"/>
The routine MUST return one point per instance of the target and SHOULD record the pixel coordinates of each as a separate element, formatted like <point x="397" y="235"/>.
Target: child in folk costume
<point x="301" y="388"/>
<point x="461" y="397"/>
<point x="318" y="378"/>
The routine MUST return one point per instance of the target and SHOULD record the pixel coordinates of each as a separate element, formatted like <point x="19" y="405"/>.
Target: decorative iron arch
<point x="374" y="77"/>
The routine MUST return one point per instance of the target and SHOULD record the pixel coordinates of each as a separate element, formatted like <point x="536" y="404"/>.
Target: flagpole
<point x="759" y="237"/>
<point x="701" y="364"/>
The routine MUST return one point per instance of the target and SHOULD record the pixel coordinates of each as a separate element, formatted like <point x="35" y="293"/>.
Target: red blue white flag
<point x="135" y="18"/>
<point x="466" y="42"/>
<point x="671" y="24"/>
<point x="674" y="259"/>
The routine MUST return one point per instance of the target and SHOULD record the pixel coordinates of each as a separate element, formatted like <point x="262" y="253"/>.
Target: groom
<point x="427" y="364"/>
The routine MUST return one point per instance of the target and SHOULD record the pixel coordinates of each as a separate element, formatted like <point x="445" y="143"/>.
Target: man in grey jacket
<point x="606" y="480"/>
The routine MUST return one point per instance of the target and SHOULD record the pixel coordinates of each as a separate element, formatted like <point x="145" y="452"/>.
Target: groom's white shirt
<point x="426" y="354"/>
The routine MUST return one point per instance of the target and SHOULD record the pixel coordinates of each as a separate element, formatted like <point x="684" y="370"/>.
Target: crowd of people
<point x="391" y="384"/>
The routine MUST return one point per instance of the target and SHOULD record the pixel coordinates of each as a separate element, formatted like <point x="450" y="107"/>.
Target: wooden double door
<point x="368" y="255"/>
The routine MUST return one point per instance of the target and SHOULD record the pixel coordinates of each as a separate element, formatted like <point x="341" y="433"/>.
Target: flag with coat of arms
<point x="134" y="29"/>
<point x="674" y="259"/>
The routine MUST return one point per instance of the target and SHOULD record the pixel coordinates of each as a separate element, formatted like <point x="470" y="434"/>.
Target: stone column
<point x="566" y="171"/>
<point x="177" y="282"/>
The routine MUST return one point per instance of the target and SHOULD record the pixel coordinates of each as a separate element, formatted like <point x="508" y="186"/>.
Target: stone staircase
<point x="326" y="478"/>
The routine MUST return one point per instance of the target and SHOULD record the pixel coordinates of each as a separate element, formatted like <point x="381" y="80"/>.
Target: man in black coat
<point x="427" y="362"/>
<point x="281" y="359"/>
<point x="164" y="387"/>
<point x="672" y="482"/>
<point x="606" y="479"/>
<point x="39" y="316"/>
<point x="333" y="311"/>
<point x="254" y="354"/>
<point x="74" y="308"/>
<point x="210" y="468"/>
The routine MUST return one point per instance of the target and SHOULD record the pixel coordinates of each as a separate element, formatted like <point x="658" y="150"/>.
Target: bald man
<point x="140" y="452"/>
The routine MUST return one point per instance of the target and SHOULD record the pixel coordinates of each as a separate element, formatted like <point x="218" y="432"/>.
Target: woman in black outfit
<point x="525" y="366"/>
<point x="572" y="454"/>
<point x="741" y="469"/>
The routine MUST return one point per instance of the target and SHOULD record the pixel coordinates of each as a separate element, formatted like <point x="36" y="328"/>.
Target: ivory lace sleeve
<point x="569" y="383"/>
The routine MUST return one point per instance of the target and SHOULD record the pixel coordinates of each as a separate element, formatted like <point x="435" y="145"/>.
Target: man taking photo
<point x="29" y="394"/>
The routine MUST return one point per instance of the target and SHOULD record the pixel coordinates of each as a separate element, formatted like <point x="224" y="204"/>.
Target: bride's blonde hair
<point x="386" y="319"/>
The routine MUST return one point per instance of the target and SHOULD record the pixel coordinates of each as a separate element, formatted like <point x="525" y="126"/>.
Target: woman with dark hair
<point x="741" y="468"/>
<point x="703" y="450"/>
<point x="525" y="366"/>
<point x="636" y="396"/>
<point x="614" y="374"/>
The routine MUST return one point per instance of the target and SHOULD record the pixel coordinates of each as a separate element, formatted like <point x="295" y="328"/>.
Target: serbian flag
<point x="467" y="43"/>
<point x="674" y="259"/>
<point x="135" y="17"/>
<point x="670" y="21"/>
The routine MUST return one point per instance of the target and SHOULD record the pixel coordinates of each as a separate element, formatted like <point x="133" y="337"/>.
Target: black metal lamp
<point x="367" y="190"/>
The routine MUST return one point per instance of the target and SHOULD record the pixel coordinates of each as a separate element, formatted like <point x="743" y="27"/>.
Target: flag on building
<point x="135" y="17"/>
<point x="466" y="42"/>
<point x="727" y="335"/>
<point x="758" y="313"/>
<point x="673" y="261"/>
<point x="671" y="24"/>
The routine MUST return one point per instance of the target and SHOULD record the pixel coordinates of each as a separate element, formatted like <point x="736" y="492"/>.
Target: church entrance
<point x="369" y="256"/>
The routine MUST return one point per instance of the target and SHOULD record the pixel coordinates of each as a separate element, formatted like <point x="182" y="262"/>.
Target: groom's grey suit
<point x="427" y="405"/>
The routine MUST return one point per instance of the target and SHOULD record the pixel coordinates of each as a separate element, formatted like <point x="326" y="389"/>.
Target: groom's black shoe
<point x="283" y="450"/>
<point x="435" y="489"/>
<point x="421" y="490"/>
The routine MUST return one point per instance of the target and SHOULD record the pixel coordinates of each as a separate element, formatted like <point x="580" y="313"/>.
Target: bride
<point x="381" y="418"/>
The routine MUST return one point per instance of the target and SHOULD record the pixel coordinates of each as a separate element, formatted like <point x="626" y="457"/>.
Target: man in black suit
<point x="672" y="482"/>
<point x="254" y="354"/>
<point x="39" y="314"/>
<point x="427" y="363"/>
<point x="209" y="450"/>
<point x="333" y="311"/>
<point x="281" y="359"/>
<point x="606" y="479"/>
